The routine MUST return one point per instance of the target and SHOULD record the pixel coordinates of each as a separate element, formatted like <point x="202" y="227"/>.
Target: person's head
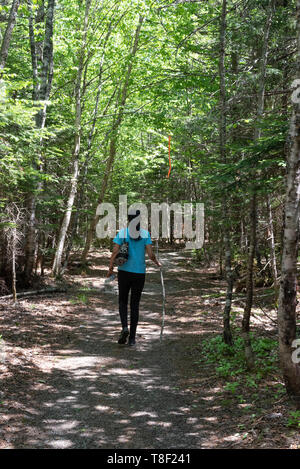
<point x="134" y="225"/>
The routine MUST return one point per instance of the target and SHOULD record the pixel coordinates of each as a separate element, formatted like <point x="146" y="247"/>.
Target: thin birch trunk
<point x="227" y="335"/>
<point x="288" y="284"/>
<point x="34" y="57"/>
<point x="253" y="203"/>
<point x="40" y="92"/>
<point x="272" y="245"/>
<point x="57" y="262"/>
<point x="249" y="285"/>
<point x="243" y="241"/>
<point x="8" y="32"/>
<point x="13" y="263"/>
<point x="88" y="152"/>
<point x="221" y="254"/>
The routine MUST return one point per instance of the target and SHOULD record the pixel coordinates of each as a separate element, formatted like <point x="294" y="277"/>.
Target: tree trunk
<point x="80" y="196"/>
<point x="30" y="236"/>
<point x="227" y="335"/>
<point x="8" y="32"/>
<point x="13" y="262"/>
<point x="42" y="93"/>
<point x="221" y="254"/>
<point x="253" y="204"/>
<point x="34" y="57"/>
<point x="57" y="263"/>
<point x="249" y="285"/>
<point x="229" y="278"/>
<point x="272" y="245"/>
<point x="288" y="284"/>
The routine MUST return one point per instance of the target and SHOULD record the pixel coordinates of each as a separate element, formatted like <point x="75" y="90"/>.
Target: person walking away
<point x="132" y="274"/>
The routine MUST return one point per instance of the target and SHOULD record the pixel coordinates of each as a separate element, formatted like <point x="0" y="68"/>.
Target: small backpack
<point x="122" y="256"/>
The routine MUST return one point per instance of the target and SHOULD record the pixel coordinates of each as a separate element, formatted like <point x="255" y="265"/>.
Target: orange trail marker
<point x="170" y="167"/>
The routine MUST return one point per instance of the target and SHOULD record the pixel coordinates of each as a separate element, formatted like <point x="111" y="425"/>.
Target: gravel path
<point x="90" y="392"/>
<point x="65" y="382"/>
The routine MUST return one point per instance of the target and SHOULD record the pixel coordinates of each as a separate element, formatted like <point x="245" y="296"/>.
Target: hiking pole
<point x="161" y="271"/>
<point x="163" y="295"/>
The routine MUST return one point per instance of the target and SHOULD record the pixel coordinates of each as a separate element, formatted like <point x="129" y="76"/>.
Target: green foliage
<point x="294" y="419"/>
<point x="174" y="90"/>
<point x="81" y="298"/>
<point x="230" y="361"/>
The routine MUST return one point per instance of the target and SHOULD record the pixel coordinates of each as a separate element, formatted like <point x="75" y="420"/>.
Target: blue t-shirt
<point x="136" y="251"/>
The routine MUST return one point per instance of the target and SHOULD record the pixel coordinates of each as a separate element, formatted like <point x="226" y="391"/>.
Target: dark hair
<point x="131" y="217"/>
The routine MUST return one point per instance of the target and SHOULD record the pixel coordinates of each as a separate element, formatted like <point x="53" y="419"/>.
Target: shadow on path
<point x="73" y="386"/>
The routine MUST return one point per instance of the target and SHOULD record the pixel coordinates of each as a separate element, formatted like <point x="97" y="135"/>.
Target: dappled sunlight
<point x="68" y="384"/>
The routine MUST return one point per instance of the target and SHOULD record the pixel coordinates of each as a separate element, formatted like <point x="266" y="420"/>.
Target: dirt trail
<point x="90" y="392"/>
<point x="66" y="383"/>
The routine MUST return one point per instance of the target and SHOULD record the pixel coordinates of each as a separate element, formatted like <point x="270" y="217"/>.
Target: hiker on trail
<point x="131" y="275"/>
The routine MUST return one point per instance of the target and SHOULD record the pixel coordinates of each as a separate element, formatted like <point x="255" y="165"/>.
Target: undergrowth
<point x="230" y="362"/>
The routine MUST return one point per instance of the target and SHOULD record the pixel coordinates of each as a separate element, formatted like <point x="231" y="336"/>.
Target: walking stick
<point x="161" y="271"/>
<point x="163" y="295"/>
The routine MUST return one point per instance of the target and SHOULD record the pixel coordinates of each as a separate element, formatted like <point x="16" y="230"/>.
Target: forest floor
<point x="66" y="383"/>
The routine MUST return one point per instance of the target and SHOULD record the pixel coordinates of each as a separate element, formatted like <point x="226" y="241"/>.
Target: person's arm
<point x="114" y="254"/>
<point x="151" y="255"/>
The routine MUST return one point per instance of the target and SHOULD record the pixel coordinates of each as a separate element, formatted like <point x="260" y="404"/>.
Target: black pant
<point x="135" y="282"/>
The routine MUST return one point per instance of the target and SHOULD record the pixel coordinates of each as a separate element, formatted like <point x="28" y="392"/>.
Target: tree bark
<point x="13" y="262"/>
<point x="253" y="203"/>
<point x="34" y="57"/>
<point x="40" y="92"/>
<point x="57" y="262"/>
<point x="80" y="196"/>
<point x="227" y="335"/>
<point x="249" y="285"/>
<point x="288" y="285"/>
<point x="272" y="245"/>
<point x="8" y="32"/>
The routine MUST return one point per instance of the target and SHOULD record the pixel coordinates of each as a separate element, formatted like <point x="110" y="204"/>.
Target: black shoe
<point x="123" y="336"/>
<point x="131" y="342"/>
